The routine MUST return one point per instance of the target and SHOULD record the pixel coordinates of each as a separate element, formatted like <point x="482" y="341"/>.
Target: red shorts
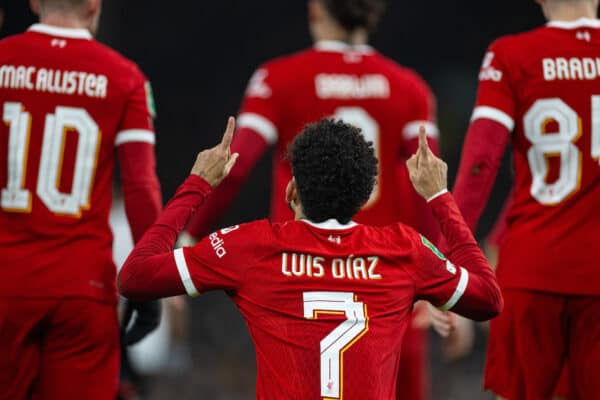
<point x="58" y="349"/>
<point x="535" y="337"/>
<point x="413" y="372"/>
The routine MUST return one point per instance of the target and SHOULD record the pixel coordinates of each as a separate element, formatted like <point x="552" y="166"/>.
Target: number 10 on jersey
<point x="15" y="197"/>
<point x="340" y="339"/>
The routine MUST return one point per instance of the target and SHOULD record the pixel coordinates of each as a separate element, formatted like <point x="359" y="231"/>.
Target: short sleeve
<point x="423" y="110"/>
<point x="219" y="261"/>
<point x="495" y="97"/>
<point x="437" y="280"/>
<point x="137" y="122"/>
<point x="259" y="110"/>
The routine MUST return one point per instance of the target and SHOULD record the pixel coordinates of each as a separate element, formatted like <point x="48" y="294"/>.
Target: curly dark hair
<point x="335" y="170"/>
<point x="353" y="14"/>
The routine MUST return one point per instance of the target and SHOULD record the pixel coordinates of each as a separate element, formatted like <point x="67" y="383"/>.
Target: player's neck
<point x="334" y="33"/>
<point x="572" y="11"/>
<point x="64" y="21"/>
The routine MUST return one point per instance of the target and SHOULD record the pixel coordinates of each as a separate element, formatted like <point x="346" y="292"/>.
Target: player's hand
<point x="139" y="319"/>
<point x="443" y="322"/>
<point x="428" y="173"/>
<point x="213" y="165"/>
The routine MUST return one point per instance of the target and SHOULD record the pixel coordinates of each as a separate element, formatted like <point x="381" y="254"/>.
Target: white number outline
<point x="562" y="143"/>
<point x="15" y="198"/>
<point x="334" y="345"/>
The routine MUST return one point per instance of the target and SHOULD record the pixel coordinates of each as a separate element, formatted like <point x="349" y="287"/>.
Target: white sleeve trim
<point x="460" y="290"/>
<point x="495" y="115"/>
<point x="260" y="125"/>
<point x="411" y="129"/>
<point x="135" y="135"/>
<point x="184" y="273"/>
<point x="438" y="194"/>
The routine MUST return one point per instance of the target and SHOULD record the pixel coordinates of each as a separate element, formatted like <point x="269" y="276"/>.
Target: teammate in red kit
<point x="326" y="300"/>
<point x="69" y="105"/>
<point x="541" y="90"/>
<point x="343" y="77"/>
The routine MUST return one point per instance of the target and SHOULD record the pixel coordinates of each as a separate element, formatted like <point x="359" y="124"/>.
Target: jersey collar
<point x="70" y="33"/>
<point x="336" y="46"/>
<point x="580" y="23"/>
<point x="331" y="224"/>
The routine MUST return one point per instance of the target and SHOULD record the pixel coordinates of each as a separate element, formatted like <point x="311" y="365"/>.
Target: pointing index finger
<point x="228" y="136"/>
<point x="423" y="144"/>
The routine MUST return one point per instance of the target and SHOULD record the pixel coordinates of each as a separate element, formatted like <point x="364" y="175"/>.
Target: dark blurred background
<point x="199" y="56"/>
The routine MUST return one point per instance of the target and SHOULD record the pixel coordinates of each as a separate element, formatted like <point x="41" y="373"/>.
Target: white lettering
<point x="7" y="76"/>
<point x="217" y="244"/>
<point x="576" y="68"/>
<point x="340" y="86"/>
<point x="549" y="69"/>
<point x="41" y="83"/>
<point x="53" y="81"/>
<point x="562" y="68"/>
<point x="573" y="68"/>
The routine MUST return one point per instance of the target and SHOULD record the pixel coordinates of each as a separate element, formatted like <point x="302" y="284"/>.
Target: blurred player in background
<point x="342" y="77"/>
<point x="69" y="106"/>
<point x="541" y="91"/>
<point x="326" y="300"/>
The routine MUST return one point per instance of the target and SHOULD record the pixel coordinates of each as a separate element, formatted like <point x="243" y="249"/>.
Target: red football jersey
<point x="356" y="84"/>
<point x="326" y="304"/>
<point x="332" y="298"/>
<point x="67" y="102"/>
<point x="544" y="85"/>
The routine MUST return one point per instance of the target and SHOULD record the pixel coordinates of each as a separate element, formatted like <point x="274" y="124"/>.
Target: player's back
<point x="356" y="84"/>
<point x="554" y="73"/>
<point x="332" y="305"/>
<point x="64" y="100"/>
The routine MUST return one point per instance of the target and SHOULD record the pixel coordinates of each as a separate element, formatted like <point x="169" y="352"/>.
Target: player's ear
<point x="35" y="6"/>
<point x="291" y="195"/>
<point x="315" y="11"/>
<point x="94" y="7"/>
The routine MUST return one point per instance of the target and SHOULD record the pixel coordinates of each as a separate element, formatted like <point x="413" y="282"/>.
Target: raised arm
<point x="423" y="113"/>
<point x="257" y="123"/>
<point x="474" y="291"/>
<point x="153" y="270"/>
<point x="251" y="146"/>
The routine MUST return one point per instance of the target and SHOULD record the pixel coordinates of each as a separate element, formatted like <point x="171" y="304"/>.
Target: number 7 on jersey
<point x="340" y="339"/>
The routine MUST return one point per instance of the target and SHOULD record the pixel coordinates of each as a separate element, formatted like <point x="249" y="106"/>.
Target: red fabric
<point x="515" y="344"/>
<point x="65" y="232"/>
<point x="554" y="217"/>
<point x="150" y="272"/>
<point x="75" y="356"/>
<point x="141" y="189"/>
<point x="414" y="380"/>
<point x="295" y="258"/>
<point x="464" y="251"/>
<point x="482" y="153"/>
<point x="251" y="147"/>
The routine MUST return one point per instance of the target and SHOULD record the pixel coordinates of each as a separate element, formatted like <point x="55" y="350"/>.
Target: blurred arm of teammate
<point x="151" y="271"/>
<point x="477" y="295"/>
<point x="141" y="195"/>
<point x="142" y="198"/>
<point x="251" y="146"/>
<point x="482" y="153"/>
